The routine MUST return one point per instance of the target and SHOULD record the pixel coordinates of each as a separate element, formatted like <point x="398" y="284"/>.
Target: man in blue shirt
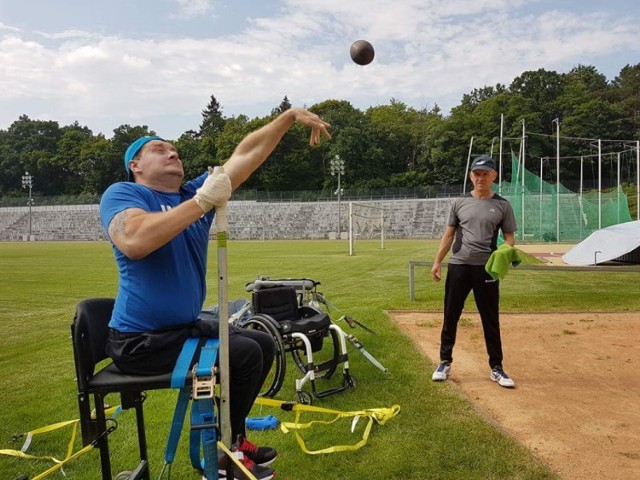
<point x="159" y="229"/>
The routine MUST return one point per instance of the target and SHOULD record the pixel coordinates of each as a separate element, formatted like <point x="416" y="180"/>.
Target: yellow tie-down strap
<point x="379" y="415"/>
<point x="112" y="411"/>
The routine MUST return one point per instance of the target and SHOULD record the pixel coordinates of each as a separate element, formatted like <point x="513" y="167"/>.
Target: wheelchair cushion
<point x="309" y="325"/>
<point x="281" y="303"/>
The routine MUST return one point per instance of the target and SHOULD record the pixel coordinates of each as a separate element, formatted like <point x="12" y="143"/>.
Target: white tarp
<point x="605" y="245"/>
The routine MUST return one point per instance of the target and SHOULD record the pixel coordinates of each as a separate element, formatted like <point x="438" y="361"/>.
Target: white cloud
<point x="426" y="53"/>
<point x="67" y="34"/>
<point x="8" y="27"/>
<point x="192" y="8"/>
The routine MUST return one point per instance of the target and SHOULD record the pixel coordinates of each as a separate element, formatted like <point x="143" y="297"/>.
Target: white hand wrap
<point x="215" y="191"/>
<point x="222" y="224"/>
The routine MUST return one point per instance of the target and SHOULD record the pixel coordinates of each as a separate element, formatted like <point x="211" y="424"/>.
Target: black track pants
<point x="251" y="354"/>
<point x="461" y="280"/>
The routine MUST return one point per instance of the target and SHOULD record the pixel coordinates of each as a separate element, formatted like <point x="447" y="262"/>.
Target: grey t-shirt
<point x="477" y="224"/>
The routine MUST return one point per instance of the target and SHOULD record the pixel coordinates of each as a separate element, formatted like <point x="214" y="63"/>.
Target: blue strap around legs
<point x="203" y="421"/>
<point x="181" y="370"/>
<point x="203" y="430"/>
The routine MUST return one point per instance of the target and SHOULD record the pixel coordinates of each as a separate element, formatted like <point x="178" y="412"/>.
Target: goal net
<point x="366" y="222"/>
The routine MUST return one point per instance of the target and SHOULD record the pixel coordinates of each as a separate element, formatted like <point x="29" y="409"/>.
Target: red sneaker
<point x="262" y="456"/>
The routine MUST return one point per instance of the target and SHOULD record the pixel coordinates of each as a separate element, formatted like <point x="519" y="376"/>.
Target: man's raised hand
<point x="215" y="191"/>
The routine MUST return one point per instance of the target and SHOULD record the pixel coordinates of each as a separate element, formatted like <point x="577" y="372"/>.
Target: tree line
<point x="390" y="145"/>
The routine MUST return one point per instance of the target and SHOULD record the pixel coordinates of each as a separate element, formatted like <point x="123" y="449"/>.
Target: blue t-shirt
<point x="167" y="287"/>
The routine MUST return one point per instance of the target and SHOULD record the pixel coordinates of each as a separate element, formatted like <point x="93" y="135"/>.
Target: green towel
<point x="498" y="264"/>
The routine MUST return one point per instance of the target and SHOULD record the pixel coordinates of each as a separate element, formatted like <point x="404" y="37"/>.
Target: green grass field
<point x="437" y="435"/>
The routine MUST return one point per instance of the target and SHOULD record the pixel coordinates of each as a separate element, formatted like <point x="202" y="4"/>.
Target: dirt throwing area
<point x="576" y="404"/>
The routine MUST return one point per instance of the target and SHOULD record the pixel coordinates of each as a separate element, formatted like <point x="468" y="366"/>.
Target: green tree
<point x="626" y="88"/>
<point x="123" y="136"/>
<point x="29" y="145"/>
<point x="285" y="105"/>
<point x="212" y="126"/>
<point x="100" y="164"/>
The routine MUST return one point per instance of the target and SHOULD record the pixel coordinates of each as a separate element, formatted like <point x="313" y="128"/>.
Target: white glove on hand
<point x="215" y="191"/>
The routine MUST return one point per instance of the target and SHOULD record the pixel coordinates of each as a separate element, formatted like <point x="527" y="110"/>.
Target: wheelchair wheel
<point x="304" y="398"/>
<point x="350" y="381"/>
<point x="123" y="475"/>
<point x="300" y="357"/>
<point x="275" y="377"/>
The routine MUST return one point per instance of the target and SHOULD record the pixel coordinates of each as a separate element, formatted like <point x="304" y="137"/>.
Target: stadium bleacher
<point x="248" y="220"/>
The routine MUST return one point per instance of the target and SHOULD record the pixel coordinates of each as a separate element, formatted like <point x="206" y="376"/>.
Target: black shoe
<point x="262" y="456"/>
<point x="258" y="472"/>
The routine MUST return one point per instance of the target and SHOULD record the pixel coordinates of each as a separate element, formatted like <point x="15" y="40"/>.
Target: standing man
<point x="472" y="229"/>
<point x="159" y="229"/>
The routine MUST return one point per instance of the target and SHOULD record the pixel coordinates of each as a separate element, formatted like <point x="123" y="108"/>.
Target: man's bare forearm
<point x="137" y="233"/>
<point x="445" y="244"/>
<point x="256" y="147"/>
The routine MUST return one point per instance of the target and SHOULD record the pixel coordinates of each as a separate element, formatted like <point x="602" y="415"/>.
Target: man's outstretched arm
<point x="256" y="147"/>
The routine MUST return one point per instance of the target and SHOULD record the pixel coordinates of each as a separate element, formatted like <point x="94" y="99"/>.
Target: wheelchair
<point x="288" y="310"/>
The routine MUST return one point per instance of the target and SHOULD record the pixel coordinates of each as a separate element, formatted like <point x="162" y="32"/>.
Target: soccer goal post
<point x="365" y="222"/>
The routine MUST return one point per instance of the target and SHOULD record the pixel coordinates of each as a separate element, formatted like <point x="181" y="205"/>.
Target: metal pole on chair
<point x="222" y="228"/>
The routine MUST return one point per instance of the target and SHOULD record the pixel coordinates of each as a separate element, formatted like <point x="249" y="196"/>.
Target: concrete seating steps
<point x="248" y="220"/>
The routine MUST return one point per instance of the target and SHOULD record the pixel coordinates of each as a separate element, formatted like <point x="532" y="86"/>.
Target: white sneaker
<point x="442" y="372"/>
<point x="498" y="375"/>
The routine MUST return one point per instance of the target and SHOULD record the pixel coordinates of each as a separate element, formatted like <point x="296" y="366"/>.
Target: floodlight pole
<point x="337" y="168"/>
<point x="27" y="182"/>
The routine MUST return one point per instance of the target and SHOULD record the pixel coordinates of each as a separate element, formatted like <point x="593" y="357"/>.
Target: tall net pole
<point x="500" y="154"/>
<point x="580" y="195"/>
<point x="522" y="181"/>
<point x="557" y="121"/>
<point x="599" y="184"/>
<point x="619" y="189"/>
<point x="466" y="170"/>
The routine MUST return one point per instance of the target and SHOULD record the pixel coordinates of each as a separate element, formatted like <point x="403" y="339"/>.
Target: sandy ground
<point x="576" y="404"/>
<point x="549" y="253"/>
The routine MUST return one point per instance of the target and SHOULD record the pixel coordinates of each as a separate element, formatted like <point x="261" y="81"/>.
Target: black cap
<point x="483" y="162"/>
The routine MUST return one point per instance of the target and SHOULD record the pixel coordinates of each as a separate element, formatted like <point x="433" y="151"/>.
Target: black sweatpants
<point x="461" y="280"/>
<point x="251" y="355"/>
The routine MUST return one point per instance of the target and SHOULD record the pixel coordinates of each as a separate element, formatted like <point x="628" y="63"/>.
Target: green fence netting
<point x="536" y="204"/>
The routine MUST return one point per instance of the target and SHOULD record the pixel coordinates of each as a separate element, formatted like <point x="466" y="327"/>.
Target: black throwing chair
<point x="89" y="333"/>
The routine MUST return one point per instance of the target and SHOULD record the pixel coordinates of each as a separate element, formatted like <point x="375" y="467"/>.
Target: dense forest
<point x="390" y="145"/>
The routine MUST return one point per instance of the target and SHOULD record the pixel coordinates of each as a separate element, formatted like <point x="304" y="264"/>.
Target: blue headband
<point x="133" y="150"/>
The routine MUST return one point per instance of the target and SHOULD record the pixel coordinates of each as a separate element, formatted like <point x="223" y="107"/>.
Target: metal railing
<point x="354" y="194"/>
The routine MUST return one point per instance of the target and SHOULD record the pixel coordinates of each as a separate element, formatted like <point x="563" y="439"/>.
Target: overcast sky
<point x="105" y="63"/>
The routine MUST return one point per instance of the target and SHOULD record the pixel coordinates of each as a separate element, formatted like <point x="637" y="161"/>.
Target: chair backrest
<point x="281" y="303"/>
<point x="89" y="334"/>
